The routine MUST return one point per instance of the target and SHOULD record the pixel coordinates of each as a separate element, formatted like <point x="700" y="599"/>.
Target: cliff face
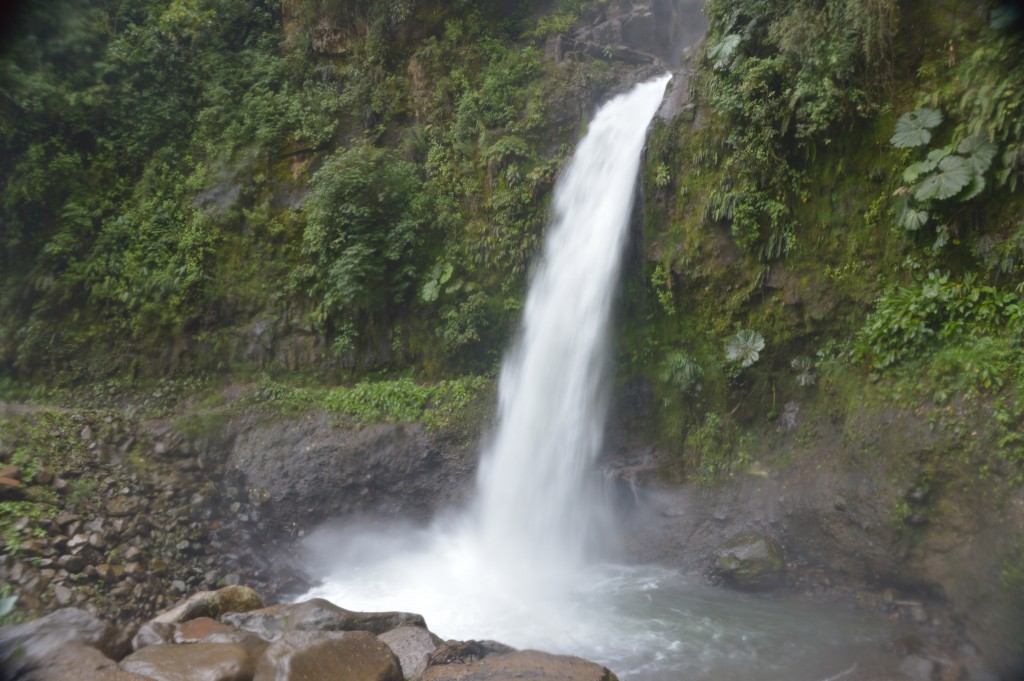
<point x="311" y="192"/>
<point x="207" y="237"/>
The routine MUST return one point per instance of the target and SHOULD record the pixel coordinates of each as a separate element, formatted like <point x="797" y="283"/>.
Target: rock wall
<point x="651" y="32"/>
<point x="305" y="470"/>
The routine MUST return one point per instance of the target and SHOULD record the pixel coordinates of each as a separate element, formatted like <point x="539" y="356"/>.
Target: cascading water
<point x="535" y="510"/>
<point x="513" y="566"/>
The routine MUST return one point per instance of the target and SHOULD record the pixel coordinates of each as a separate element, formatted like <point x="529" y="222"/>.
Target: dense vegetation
<point x="197" y="190"/>
<point x="847" y="210"/>
<point x="370" y="174"/>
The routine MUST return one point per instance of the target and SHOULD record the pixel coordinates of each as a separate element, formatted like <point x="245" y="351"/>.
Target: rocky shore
<point x="123" y="518"/>
<point x="228" y="635"/>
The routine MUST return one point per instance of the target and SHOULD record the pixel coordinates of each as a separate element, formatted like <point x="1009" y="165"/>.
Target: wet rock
<point x="152" y="633"/>
<point x="26" y="645"/>
<point x="80" y="663"/>
<point x="916" y="667"/>
<point x="749" y="561"/>
<point x="327" y="656"/>
<point x="232" y="599"/>
<point x="413" y="646"/>
<point x="194" y="662"/>
<point x="253" y="643"/>
<point x="318" y="615"/>
<point x="62" y="594"/>
<point x="527" y="664"/>
<point x="196" y="630"/>
<point x="10" y="489"/>
<point x="467" y="651"/>
<point x="289" y="490"/>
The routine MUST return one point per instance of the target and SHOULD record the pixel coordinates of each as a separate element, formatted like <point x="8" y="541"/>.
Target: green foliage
<point x="712" y="450"/>
<point x="367" y="402"/>
<point x="11" y="512"/>
<point x="912" y="321"/>
<point x="365" y="223"/>
<point x="804" y="368"/>
<point x="661" y="280"/>
<point x="154" y="158"/>
<point x="952" y="174"/>
<point x="786" y="76"/>
<point x="402" y="400"/>
<point x="682" y="372"/>
<point x="438" y="276"/>
<point x="913" y="129"/>
<point x="990" y="102"/>
<point x="744" y="348"/>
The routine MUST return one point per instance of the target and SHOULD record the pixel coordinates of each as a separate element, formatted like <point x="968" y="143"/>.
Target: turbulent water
<point x="514" y="566"/>
<point x="536" y="514"/>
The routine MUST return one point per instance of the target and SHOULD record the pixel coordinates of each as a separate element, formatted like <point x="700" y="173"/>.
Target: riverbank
<point x="124" y="517"/>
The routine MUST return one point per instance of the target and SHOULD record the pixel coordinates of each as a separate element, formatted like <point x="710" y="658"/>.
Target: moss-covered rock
<point x="750" y="561"/>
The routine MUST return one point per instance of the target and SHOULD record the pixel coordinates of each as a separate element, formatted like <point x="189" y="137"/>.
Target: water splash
<point x="536" y="510"/>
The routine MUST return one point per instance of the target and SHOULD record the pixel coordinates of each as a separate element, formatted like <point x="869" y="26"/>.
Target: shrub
<point x="365" y="223"/>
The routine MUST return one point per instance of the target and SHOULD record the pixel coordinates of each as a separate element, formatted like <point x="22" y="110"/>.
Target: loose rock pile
<point x="123" y="520"/>
<point x="227" y="635"/>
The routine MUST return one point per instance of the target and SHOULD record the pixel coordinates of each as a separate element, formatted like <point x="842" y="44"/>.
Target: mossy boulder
<point x="749" y="561"/>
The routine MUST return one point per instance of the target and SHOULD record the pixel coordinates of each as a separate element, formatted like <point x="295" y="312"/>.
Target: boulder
<point x="192" y="662"/>
<point x="328" y="656"/>
<point x="153" y="633"/>
<point x="318" y="615"/>
<point x="749" y="561"/>
<point x="212" y="604"/>
<point x="525" y="664"/>
<point x="26" y="645"/>
<point x="253" y="643"/>
<point x="198" y="629"/>
<point x="81" y="663"/>
<point x="413" y="646"/>
<point x="467" y="651"/>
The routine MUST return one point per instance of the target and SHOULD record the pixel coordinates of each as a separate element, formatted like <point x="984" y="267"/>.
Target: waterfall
<point x="515" y="557"/>
<point x="536" y="510"/>
<point x="512" y="567"/>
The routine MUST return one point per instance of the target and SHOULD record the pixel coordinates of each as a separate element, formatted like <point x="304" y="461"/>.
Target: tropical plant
<point x="683" y="372"/>
<point x="804" y="368"/>
<point x="365" y="221"/>
<point x="744" y="348"/>
<point x="913" y="129"/>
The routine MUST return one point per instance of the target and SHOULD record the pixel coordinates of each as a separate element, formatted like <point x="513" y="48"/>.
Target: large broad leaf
<point x="721" y="54"/>
<point x="913" y="219"/>
<point x="979" y="151"/>
<point x="953" y="174"/>
<point x="915" y="170"/>
<point x="913" y="129"/>
<point x="745" y="347"/>
<point x="973" y="189"/>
